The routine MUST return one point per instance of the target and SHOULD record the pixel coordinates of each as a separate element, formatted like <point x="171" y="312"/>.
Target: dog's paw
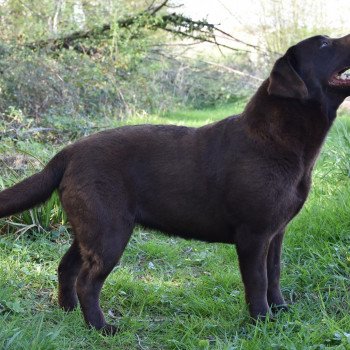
<point x="279" y="308"/>
<point x="261" y="313"/>
<point x="109" y="330"/>
<point x="263" y="318"/>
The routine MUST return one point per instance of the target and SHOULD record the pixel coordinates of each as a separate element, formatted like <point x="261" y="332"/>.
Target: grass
<point x="168" y="293"/>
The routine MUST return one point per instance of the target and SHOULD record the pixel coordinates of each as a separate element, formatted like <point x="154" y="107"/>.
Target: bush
<point x="71" y="84"/>
<point x="77" y="85"/>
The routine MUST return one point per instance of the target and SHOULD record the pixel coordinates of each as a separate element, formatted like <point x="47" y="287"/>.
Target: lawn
<point x="169" y="293"/>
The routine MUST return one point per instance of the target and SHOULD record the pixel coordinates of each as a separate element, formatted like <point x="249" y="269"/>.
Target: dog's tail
<point x="35" y="189"/>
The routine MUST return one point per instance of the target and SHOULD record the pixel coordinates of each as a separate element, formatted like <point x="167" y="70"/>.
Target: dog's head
<point x="315" y="69"/>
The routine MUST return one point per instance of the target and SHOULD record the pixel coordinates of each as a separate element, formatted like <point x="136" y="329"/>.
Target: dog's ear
<point x="285" y="81"/>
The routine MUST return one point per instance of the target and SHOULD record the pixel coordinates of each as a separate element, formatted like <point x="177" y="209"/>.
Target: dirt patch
<point x="18" y="162"/>
<point x="345" y="106"/>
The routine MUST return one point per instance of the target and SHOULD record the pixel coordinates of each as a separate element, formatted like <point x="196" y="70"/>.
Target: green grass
<point x="168" y="293"/>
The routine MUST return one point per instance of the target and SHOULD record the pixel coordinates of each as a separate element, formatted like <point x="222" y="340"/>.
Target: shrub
<point x="81" y="86"/>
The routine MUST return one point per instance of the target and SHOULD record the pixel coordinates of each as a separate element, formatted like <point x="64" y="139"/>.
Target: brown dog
<point x="240" y="180"/>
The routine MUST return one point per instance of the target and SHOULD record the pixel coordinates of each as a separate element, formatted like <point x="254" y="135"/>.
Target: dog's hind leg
<point x="68" y="271"/>
<point x="274" y="295"/>
<point x="102" y="216"/>
<point x="101" y="246"/>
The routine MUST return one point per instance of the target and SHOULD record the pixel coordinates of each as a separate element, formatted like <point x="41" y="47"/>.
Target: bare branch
<point x="232" y="70"/>
<point x="153" y="10"/>
<point x="255" y="47"/>
<point x="174" y="23"/>
<point x="202" y="39"/>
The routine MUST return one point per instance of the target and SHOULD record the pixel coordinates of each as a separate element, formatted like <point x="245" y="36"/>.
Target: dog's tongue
<point x="341" y="79"/>
<point x="345" y="75"/>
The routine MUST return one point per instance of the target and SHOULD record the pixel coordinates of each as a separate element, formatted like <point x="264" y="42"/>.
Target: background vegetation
<point x="69" y="68"/>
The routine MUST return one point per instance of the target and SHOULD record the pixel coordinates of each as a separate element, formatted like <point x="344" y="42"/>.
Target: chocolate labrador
<point x="239" y="180"/>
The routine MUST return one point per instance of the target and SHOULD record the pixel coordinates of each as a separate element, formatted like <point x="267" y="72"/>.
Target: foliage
<point x="285" y="22"/>
<point x="75" y="85"/>
<point x="281" y="24"/>
<point x="27" y="20"/>
<point x="103" y="62"/>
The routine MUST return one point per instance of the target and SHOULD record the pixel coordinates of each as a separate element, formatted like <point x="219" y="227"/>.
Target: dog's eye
<point x="324" y="44"/>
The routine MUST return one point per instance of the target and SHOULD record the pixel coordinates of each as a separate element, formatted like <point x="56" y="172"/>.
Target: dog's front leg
<point x="252" y="254"/>
<point x="274" y="295"/>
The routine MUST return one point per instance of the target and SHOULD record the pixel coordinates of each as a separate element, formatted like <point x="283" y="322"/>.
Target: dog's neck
<point x="286" y="121"/>
<point x="330" y="104"/>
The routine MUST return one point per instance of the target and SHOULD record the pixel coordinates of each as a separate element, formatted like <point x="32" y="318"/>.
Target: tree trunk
<point x="56" y="17"/>
<point x="79" y="14"/>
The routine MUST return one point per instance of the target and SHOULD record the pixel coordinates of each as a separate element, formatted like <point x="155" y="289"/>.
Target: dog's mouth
<point x="341" y="78"/>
